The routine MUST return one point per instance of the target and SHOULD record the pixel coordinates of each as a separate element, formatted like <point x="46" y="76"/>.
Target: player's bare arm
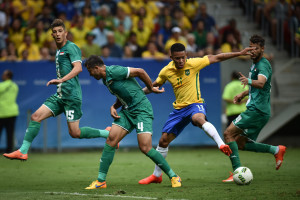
<point x="238" y="98"/>
<point x="155" y="85"/>
<point x="75" y="71"/>
<point x="113" y="109"/>
<point x="139" y="72"/>
<point x="225" y="56"/>
<point x="259" y="83"/>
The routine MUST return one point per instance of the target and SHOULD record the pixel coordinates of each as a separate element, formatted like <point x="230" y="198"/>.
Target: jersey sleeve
<point x="265" y="70"/>
<point x="162" y="77"/>
<point x="199" y="63"/>
<point x="74" y="53"/>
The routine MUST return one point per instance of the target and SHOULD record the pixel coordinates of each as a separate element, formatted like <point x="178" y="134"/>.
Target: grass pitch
<point x="65" y="175"/>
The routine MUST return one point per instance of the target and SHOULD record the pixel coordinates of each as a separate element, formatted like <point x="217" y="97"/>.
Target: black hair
<point x="256" y="39"/>
<point x="93" y="61"/>
<point x="235" y="75"/>
<point x="9" y="74"/>
<point x="177" y="47"/>
<point x="58" y="22"/>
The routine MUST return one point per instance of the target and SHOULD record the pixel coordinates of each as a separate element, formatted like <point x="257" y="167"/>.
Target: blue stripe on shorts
<point x="180" y="118"/>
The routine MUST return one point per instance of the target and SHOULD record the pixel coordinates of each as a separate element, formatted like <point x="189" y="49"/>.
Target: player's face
<point x="257" y="52"/>
<point x="94" y="72"/>
<point x="179" y="59"/>
<point x="59" y="34"/>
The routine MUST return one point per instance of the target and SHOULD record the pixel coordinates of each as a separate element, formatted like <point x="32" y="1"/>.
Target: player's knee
<point x="145" y="148"/>
<point x="227" y="135"/>
<point x="35" y="117"/>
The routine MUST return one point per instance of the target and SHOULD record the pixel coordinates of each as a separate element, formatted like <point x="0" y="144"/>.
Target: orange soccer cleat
<point x="279" y="156"/>
<point x="16" y="155"/>
<point x="229" y="179"/>
<point x="225" y="149"/>
<point x="151" y="179"/>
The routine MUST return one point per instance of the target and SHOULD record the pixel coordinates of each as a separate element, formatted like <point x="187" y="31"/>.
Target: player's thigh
<point x="231" y="132"/>
<point x="116" y="134"/>
<point x="73" y="127"/>
<point x="198" y="114"/>
<point x="72" y="109"/>
<point x="43" y="112"/>
<point x="124" y="121"/>
<point x="251" y="122"/>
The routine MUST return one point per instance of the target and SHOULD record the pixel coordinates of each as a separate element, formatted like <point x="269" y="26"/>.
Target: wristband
<point x="249" y="81"/>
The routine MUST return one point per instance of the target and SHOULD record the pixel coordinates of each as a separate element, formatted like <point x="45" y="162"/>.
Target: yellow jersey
<point x="185" y="81"/>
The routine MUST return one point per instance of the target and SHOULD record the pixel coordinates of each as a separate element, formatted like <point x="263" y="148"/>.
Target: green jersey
<point x="125" y="88"/>
<point x="64" y="58"/>
<point x="260" y="98"/>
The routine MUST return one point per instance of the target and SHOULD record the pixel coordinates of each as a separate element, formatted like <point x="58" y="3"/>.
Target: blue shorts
<point x="179" y="119"/>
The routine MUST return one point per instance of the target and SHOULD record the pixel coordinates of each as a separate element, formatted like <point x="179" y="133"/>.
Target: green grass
<point x="64" y="176"/>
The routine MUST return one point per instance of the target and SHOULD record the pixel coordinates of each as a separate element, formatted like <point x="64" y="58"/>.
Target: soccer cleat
<point x="279" y="156"/>
<point x="96" y="185"/>
<point x="229" y="179"/>
<point x="176" y="181"/>
<point x="16" y="155"/>
<point x="151" y="179"/>
<point x="225" y="149"/>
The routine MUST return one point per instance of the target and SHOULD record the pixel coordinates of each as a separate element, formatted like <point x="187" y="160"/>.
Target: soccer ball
<point x="242" y="176"/>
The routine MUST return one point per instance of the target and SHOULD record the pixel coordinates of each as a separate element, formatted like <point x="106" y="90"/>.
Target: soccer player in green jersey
<point x="66" y="100"/>
<point x="136" y="113"/>
<point x="243" y="131"/>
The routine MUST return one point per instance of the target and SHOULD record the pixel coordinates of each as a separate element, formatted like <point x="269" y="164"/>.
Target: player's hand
<point x="247" y="51"/>
<point x="54" y="82"/>
<point x="243" y="79"/>
<point x="238" y="98"/>
<point x="157" y="90"/>
<point x="114" y="113"/>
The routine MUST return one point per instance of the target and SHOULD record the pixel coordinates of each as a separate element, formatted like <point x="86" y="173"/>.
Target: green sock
<point x="260" y="147"/>
<point x="31" y="132"/>
<point x="105" y="161"/>
<point x="161" y="162"/>
<point x="234" y="157"/>
<point x="88" y="132"/>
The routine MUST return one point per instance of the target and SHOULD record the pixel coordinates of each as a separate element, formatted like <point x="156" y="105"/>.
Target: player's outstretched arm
<point x="225" y="56"/>
<point x="74" y="72"/>
<point x="155" y="85"/>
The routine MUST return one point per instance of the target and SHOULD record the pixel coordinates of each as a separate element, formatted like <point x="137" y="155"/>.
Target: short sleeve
<point x="116" y="72"/>
<point x="199" y="63"/>
<point x="74" y="53"/>
<point x="161" y="79"/>
<point x="265" y="70"/>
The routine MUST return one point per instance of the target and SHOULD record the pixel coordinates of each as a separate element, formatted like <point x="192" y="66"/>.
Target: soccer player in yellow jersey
<point x="183" y="74"/>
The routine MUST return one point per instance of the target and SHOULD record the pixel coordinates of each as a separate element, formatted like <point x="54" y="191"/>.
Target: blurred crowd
<point x="115" y="28"/>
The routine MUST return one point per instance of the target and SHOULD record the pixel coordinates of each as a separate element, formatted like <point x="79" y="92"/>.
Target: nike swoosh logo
<point x="97" y="186"/>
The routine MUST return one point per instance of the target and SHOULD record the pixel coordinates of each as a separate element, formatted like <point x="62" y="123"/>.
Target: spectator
<point x="121" y="35"/>
<point x="3" y="55"/>
<point x="37" y="34"/>
<point x="105" y="52"/>
<point x="12" y="52"/>
<point x="209" y="21"/>
<point x="100" y="32"/>
<point x="164" y="16"/>
<point x="79" y="32"/>
<point x="181" y="20"/>
<point x="145" y="17"/>
<point x="133" y="45"/>
<point x="151" y="8"/>
<point x="67" y="7"/>
<point x="46" y="17"/>
<point x="122" y="18"/>
<point x="191" y="47"/>
<point x="24" y="55"/>
<point x="16" y="33"/>
<point x="212" y="46"/>
<point x="114" y="49"/>
<point x="103" y="13"/>
<point x="165" y="32"/>
<point x="153" y="53"/>
<point x="111" y="4"/>
<point x="45" y="54"/>
<point x="90" y="48"/>
<point x="142" y="33"/>
<point x="230" y="91"/>
<point x="231" y="44"/>
<point x="93" y="4"/>
<point x="175" y="38"/>
<point x="32" y="49"/>
<point x="126" y="5"/>
<point x="200" y="35"/>
<point x="23" y="9"/>
<point x="9" y="109"/>
<point x="153" y="38"/>
<point x="88" y="18"/>
<point x="231" y="27"/>
<point x="127" y="52"/>
<point x="189" y="8"/>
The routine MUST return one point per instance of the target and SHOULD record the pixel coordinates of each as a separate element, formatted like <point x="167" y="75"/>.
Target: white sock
<point x="211" y="131"/>
<point x="164" y="152"/>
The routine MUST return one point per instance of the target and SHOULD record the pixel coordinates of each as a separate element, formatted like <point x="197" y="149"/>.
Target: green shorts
<point x="251" y="122"/>
<point x="139" y="118"/>
<point x="71" y="108"/>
